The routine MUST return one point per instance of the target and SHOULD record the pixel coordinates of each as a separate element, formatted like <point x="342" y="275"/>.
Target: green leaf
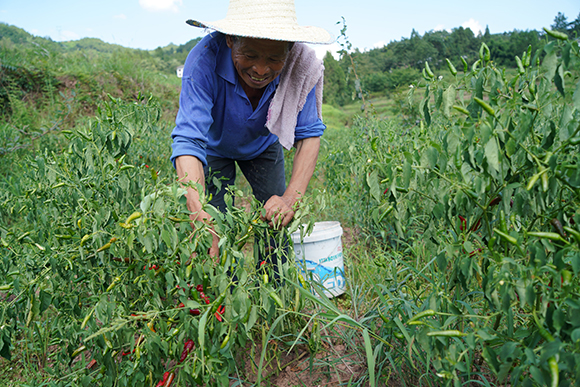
<point x="373" y="182"/>
<point x="559" y="80"/>
<point x="550" y="65"/>
<point x="576" y="97"/>
<point x="407" y="172"/>
<point x="510" y="147"/>
<point x="491" y="154"/>
<point x="448" y="100"/>
<point x="370" y="357"/>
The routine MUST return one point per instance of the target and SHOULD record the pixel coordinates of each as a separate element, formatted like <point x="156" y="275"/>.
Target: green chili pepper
<point x="449" y="333"/>
<point x="425" y="313"/>
<point x="556" y="34"/>
<point x="452" y="68"/>
<point x="485" y="106"/>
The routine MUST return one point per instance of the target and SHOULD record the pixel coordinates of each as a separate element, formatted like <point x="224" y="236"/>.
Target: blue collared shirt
<point x="216" y="117"/>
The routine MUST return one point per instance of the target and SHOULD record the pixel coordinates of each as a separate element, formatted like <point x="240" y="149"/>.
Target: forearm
<point x="302" y="169"/>
<point x="190" y="168"/>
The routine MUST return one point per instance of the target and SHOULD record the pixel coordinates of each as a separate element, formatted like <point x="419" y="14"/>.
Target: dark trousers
<point x="266" y="176"/>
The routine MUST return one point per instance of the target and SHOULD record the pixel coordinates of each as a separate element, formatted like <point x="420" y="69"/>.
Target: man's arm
<point x="190" y="168"/>
<point x="279" y="209"/>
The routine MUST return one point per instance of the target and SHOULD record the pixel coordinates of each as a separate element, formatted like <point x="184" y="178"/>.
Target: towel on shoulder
<point x="302" y="71"/>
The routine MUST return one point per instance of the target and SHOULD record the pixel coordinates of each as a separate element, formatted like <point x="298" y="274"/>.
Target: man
<point x="229" y="88"/>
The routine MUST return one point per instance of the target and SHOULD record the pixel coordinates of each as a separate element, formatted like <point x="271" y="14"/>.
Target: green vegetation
<point x="460" y="197"/>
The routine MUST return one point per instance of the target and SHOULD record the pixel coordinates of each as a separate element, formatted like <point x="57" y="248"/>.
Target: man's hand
<point x="189" y="168"/>
<point x="279" y="212"/>
<point x="206" y="218"/>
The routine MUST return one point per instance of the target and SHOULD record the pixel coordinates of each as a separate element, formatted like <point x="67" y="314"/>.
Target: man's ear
<point x="229" y="41"/>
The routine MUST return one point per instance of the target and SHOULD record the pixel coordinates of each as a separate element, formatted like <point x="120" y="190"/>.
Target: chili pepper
<point x="169" y="380"/>
<point x="199" y="288"/>
<point x="428" y="70"/>
<point x="464" y="64"/>
<point x="506" y="237"/>
<point x="194" y="312"/>
<point x="478" y="250"/>
<point x="162" y="382"/>
<point x="449" y="333"/>
<point x="151" y="326"/>
<point x="452" y="69"/>
<point x="425" y="313"/>
<point x="495" y="201"/>
<point x="202" y="295"/>
<point x="558" y="227"/>
<point x="463" y="224"/>
<point x="476" y="226"/>
<point x="86" y="319"/>
<point x="556" y="34"/>
<point x="218" y="314"/>
<point x="225" y="342"/>
<point x="91" y="364"/>
<point x="461" y="109"/>
<point x="104" y="247"/>
<point x="77" y="351"/>
<point x="485" y="106"/>
<point x="475" y="65"/>
<point x="265" y="277"/>
<point x="181" y="305"/>
<point x="187" y="347"/>
<point x="116" y="280"/>
<point x="573" y="232"/>
<point x="554" y="371"/>
<point x="521" y="69"/>
<point x="276" y="299"/>
<point x="548" y="235"/>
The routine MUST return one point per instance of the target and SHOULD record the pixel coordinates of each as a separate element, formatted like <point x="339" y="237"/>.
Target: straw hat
<point x="265" y="19"/>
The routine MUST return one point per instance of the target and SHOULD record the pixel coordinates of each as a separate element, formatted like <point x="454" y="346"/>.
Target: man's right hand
<point x="190" y="168"/>
<point x="206" y="218"/>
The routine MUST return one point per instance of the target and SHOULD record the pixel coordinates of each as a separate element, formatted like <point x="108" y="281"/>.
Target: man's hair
<point x="236" y="40"/>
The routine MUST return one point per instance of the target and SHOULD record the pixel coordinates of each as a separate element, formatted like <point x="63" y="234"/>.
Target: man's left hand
<point x="279" y="212"/>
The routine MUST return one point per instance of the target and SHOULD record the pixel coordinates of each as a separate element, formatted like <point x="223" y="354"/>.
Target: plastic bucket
<point x="321" y="253"/>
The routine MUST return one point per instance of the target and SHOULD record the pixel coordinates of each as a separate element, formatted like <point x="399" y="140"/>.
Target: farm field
<point x="459" y="198"/>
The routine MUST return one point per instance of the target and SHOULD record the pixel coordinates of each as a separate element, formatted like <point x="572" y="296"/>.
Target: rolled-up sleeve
<point x="308" y="124"/>
<point x="193" y="121"/>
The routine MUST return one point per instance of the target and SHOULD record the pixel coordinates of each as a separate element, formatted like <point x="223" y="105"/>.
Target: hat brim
<point x="287" y="33"/>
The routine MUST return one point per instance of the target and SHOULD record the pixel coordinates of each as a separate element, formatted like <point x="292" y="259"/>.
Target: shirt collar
<point x="224" y="64"/>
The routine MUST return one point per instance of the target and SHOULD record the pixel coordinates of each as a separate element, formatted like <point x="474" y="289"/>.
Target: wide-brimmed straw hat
<point x="265" y="19"/>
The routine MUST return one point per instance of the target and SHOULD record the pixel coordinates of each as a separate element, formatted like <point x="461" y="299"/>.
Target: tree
<point x="560" y="23"/>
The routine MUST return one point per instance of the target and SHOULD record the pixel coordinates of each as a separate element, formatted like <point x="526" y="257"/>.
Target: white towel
<point x="302" y="71"/>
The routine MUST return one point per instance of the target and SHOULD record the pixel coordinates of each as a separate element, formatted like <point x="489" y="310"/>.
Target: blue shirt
<point x="216" y="117"/>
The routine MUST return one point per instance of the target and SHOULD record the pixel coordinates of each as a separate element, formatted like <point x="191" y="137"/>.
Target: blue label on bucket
<point x="331" y="278"/>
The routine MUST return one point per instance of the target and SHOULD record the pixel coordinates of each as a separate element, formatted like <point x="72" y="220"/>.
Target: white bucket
<point x="321" y="253"/>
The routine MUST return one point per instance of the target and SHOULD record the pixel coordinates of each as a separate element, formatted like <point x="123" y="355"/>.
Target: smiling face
<point x="257" y="61"/>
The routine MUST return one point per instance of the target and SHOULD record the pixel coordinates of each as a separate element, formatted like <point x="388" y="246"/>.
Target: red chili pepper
<point x="199" y="288"/>
<point x="181" y="305"/>
<point x="91" y="364"/>
<point x="474" y="252"/>
<point x="169" y="380"/>
<point x="207" y="301"/>
<point x="202" y="295"/>
<point x="463" y="224"/>
<point x="146" y="166"/>
<point x="476" y="226"/>
<point x="218" y="315"/>
<point x="194" y="312"/>
<point x="162" y="382"/>
<point x="386" y="190"/>
<point x="262" y="263"/>
<point x="188" y="346"/>
<point x="495" y="201"/>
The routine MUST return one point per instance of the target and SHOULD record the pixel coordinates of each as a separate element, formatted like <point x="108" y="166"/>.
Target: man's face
<point x="258" y="61"/>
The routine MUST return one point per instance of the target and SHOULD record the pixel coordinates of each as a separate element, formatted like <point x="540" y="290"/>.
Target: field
<point x="459" y="197"/>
